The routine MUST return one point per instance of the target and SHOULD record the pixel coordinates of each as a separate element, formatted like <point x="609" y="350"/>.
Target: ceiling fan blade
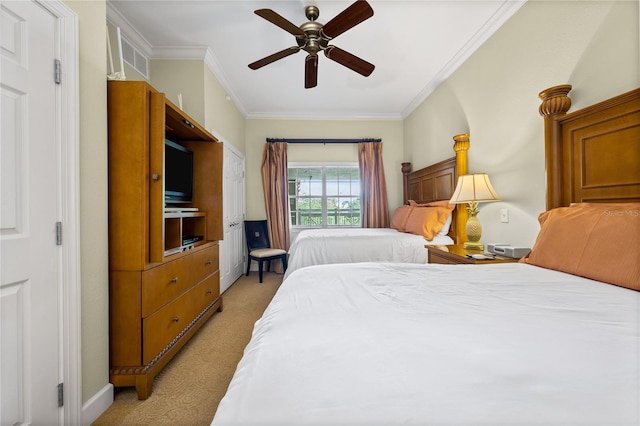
<point x="311" y="71"/>
<point x="348" y="18"/>
<point x="348" y="60"/>
<point x="278" y="20"/>
<point x="272" y="58"/>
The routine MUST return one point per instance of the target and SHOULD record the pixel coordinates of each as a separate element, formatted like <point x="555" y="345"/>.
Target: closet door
<point x="33" y="204"/>
<point x="232" y="247"/>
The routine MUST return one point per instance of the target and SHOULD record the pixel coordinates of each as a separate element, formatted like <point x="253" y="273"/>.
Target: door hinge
<point x="60" y="394"/>
<point x="56" y="71"/>
<point x="58" y="233"/>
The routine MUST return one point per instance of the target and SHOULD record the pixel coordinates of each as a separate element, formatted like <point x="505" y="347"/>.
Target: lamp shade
<point x="476" y="187"/>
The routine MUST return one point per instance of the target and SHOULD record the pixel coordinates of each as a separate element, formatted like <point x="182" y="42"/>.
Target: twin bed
<point x="554" y="339"/>
<point x="426" y="186"/>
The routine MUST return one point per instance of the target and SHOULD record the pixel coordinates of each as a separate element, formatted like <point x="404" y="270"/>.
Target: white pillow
<point x="445" y="228"/>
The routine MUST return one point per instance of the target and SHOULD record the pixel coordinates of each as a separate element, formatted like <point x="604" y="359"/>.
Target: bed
<point x="425" y="187"/>
<point x="554" y="339"/>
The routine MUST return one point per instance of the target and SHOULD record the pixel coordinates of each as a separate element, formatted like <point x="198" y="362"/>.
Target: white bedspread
<point x="508" y="344"/>
<point x="351" y="245"/>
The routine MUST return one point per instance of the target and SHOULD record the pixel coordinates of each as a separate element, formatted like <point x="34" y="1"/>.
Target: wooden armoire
<point x="163" y="286"/>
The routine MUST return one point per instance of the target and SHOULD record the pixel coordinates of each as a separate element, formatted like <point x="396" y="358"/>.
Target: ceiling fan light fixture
<point x="313" y="37"/>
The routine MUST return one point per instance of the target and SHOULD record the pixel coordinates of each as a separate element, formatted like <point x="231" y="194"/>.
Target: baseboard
<point x="97" y="405"/>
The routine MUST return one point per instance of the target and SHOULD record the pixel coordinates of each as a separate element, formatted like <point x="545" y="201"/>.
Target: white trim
<point x="323" y="164"/>
<point x="133" y="36"/>
<point x="179" y="52"/>
<point x="215" y="68"/>
<point x="333" y="116"/>
<point x="67" y="117"/>
<point x="97" y="405"/>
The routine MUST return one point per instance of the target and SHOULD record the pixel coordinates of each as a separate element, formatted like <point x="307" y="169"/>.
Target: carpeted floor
<point x="188" y="390"/>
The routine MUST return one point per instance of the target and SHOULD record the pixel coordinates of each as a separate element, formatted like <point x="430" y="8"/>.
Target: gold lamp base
<point x="474" y="246"/>
<point x="473" y="229"/>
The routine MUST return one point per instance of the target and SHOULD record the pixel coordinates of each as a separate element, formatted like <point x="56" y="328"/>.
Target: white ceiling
<point x="415" y="45"/>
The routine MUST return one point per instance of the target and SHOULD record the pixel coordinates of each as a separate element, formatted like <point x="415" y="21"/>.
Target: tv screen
<point x="178" y="173"/>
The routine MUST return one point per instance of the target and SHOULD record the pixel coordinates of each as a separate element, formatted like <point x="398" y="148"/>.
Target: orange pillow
<point x="399" y="218"/>
<point x="600" y="241"/>
<point x="427" y="221"/>
<point x="443" y="203"/>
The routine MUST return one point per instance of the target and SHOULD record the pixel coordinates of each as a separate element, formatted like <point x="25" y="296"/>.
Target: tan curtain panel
<point x="375" y="205"/>
<point x="276" y="196"/>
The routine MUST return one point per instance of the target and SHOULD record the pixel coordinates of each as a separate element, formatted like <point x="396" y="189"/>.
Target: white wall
<point x="592" y="45"/>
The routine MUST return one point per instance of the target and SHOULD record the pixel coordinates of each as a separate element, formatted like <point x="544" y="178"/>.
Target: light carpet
<point x="188" y="390"/>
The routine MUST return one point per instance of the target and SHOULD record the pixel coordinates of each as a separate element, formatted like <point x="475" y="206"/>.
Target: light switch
<point x="504" y="215"/>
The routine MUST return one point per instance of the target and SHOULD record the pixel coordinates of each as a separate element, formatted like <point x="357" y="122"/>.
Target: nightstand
<point x="455" y="254"/>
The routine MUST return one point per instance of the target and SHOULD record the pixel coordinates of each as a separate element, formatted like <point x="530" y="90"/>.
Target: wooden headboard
<point x="438" y="181"/>
<point x="593" y="154"/>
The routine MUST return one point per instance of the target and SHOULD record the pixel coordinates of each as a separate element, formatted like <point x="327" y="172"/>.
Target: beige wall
<point x="93" y="196"/>
<point x="257" y="130"/>
<point x="203" y="97"/>
<point x="221" y="116"/>
<point x="592" y="45"/>
<point x="186" y="77"/>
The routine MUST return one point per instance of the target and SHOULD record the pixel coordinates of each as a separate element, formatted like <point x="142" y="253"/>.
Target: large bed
<point x="552" y="340"/>
<point x="426" y="187"/>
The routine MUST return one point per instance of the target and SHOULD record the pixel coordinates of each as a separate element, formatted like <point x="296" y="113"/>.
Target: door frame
<point x="68" y="142"/>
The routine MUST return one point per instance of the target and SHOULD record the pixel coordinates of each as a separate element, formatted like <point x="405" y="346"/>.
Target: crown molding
<point x="502" y="14"/>
<point x="128" y="31"/>
<point x="324" y="117"/>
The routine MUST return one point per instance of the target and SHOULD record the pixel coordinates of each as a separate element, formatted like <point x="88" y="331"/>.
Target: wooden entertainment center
<point x="163" y="286"/>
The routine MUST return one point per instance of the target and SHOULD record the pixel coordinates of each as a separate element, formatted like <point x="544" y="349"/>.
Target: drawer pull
<point x="209" y="291"/>
<point x="174" y="280"/>
<point x="209" y="262"/>
<point x="175" y="319"/>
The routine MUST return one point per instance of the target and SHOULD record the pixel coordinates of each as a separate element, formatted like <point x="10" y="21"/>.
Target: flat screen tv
<point x="178" y="174"/>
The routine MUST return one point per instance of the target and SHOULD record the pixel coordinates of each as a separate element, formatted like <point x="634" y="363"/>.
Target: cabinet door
<point x="156" y="176"/>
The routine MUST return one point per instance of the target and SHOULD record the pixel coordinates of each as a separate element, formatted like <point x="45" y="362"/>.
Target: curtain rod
<point x="271" y="140"/>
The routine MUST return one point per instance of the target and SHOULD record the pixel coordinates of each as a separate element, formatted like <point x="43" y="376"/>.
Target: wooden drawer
<point x="164" y="325"/>
<point x="206" y="292"/>
<point x="164" y="283"/>
<point x="202" y="263"/>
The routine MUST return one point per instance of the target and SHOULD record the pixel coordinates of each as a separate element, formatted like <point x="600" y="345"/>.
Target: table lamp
<point x="473" y="189"/>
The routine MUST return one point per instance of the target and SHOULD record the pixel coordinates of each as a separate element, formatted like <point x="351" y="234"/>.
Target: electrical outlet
<point x="504" y="215"/>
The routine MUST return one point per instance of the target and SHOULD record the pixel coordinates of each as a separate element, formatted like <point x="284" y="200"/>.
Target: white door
<point x="31" y="286"/>
<point x="232" y="249"/>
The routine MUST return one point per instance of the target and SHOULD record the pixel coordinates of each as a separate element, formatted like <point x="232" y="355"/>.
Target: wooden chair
<point x="259" y="247"/>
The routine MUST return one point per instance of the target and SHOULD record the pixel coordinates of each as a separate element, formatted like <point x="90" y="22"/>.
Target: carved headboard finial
<point x="555" y="100"/>
<point x="461" y="142"/>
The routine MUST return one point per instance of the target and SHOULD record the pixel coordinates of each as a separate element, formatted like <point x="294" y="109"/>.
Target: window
<point x="324" y="195"/>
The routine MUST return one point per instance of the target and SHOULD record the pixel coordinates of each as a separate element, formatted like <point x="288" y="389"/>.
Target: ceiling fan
<point x="313" y="37"/>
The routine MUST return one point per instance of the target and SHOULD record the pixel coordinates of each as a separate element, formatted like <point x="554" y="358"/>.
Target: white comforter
<point x="508" y="344"/>
<point x="351" y="245"/>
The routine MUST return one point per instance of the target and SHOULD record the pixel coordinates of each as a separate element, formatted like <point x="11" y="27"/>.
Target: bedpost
<point x="406" y="169"/>
<point x="555" y="103"/>
<point x="461" y="146"/>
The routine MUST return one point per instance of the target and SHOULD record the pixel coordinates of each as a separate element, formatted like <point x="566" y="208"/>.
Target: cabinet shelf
<point x="183" y="230"/>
